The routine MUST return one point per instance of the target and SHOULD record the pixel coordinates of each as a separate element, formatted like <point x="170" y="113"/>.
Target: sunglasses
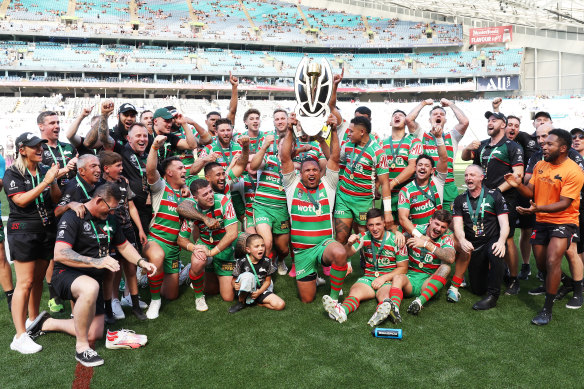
<point x="578" y="136"/>
<point x="110" y="209"/>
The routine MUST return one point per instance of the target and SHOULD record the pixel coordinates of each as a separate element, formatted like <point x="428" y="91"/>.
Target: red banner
<point x="481" y="36"/>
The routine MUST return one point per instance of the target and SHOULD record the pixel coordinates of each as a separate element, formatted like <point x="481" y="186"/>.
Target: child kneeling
<point x="252" y="277"/>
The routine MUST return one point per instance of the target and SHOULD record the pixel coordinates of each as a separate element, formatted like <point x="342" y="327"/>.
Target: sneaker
<point x="543" y="317"/>
<point x="89" y="358"/>
<point x="540" y="276"/>
<point x="124" y="339"/>
<point x="540" y="290"/>
<point x="117" y="309"/>
<point x="334" y="309"/>
<point x="282" y="268"/>
<point x="525" y="272"/>
<point x="109" y="319"/>
<point x="326" y="270"/>
<point x="463" y="284"/>
<point x="142" y="278"/>
<point x="201" y="304"/>
<point x="415" y="307"/>
<point x="292" y="272"/>
<point x="574" y="303"/>
<point x="35" y="328"/>
<point x="56" y="305"/>
<point x="237" y="307"/>
<point x="381" y="313"/>
<point x="453" y="295"/>
<point x="320" y="281"/>
<point x="153" y="309"/>
<point x="126" y="301"/>
<point x="563" y="291"/>
<point x="25" y="345"/>
<point x="513" y="288"/>
<point x="183" y="276"/>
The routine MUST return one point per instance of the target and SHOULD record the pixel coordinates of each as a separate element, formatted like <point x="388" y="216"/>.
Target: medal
<point x="393" y="165"/>
<point x="475" y="228"/>
<point x="211" y="239"/>
<point x="280" y="188"/>
<point x="351" y="176"/>
<point x="421" y="264"/>
<point x="318" y="212"/>
<point x="376" y="274"/>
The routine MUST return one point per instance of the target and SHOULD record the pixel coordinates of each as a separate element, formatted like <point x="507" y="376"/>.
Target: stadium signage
<point x="497" y="83"/>
<point x="481" y="36"/>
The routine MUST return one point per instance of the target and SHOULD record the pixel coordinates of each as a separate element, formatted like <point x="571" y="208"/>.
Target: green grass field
<point x="447" y="345"/>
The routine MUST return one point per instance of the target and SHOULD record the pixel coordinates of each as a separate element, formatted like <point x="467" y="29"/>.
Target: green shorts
<point x="276" y="217"/>
<point x="171" y="256"/>
<point x="417" y="280"/>
<point x="238" y="204"/>
<point x="306" y="261"/>
<point x="249" y="221"/>
<point x="368" y="280"/>
<point x="450" y="193"/>
<point x="347" y="207"/>
<point x="223" y="263"/>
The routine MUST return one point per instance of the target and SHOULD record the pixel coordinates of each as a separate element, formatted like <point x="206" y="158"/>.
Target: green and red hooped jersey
<point x="166" y="223"/>
<point x="358" y="179"/>
<point x="387" y="256"/>
<point x="417" y="200"/>
<point x="423" y="261"/>
<point x="270" y="189"/>
<point x="409" y="150"/>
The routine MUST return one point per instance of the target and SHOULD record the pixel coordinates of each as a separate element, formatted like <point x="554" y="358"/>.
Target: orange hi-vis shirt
<point x="552" y="181"/>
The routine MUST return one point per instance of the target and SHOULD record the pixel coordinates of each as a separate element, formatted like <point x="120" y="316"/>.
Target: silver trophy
<point x="313" y="85"/>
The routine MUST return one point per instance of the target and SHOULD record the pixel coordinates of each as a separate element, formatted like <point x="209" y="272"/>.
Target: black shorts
<point x="309" y="277"/>
<point x="30" y="246"/>
<point x="543" y="232"/>
<point x="64" y="278"/>
<point x="512" y="215"/>
<point x="524" y="221"/>
<point x="262" y="297"/>
<point x="580" y="236"/>
<point x="130" y="236"/>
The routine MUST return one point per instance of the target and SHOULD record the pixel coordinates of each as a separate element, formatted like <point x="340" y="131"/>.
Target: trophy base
<point x="312" y="126"/>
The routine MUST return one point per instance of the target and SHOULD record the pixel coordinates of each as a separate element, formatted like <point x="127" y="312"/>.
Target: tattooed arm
<point x="187" y="209"/>
<point x="446" y="255"/>
<point x="65" y="254"/>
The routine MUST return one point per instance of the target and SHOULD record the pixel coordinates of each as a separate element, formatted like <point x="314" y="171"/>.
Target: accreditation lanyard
<point x="395" y="152"/>
<point x="36" y="199"/>
<point x="374" y="252"/>
<point x="144" y="182"/>
<point x="431" y="196"/>
<point x="227" y="161"/>
<point x="97" y="237"/>
<point x="178" y="195"/>
<point x="474" y="214"/>
<point x="254" y="271"/>
<point x="166" y="145"/>
<point x="53" y="155"/>
<point x="356" y="160"/>
<point x="314" y="202"/>
<point x="275" y="145"/>
<point x="257" y="143"/>
<point x="83" y="188"/>
<point x="212" y="211"/>
<point x="489" y="159"/>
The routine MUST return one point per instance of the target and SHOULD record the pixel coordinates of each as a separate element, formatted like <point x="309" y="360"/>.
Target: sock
<point x="337" y="278"/>
<point x="549" y="301"/>
<point x="350" y="304"/>
<point x="396" y="295"/>
<point x="457" y="281"/>
<point x="9" y="294"/>
<point x="155" y="283"/>
<point x="577" y="288"/>
<point x="135" y="301"/>
<point x="197" y="282"/>
<point x="434" y="285"/>
<point x="567" y="281"/>
<point x="108" y="307"/>
<point x="52" y="293"/>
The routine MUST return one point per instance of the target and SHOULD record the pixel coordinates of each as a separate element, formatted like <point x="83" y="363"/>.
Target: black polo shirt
<point x="82" y="149"/>
<point x="60" y="156"/>
<point x="79" y="233"/>
<point x="528" y="144"/>
<point x="494" y="205"/>
<point x="134" y="169"/>
<point x="497" y="161"/>
<point x="169" y="149"/>
<point x="123" y="211"/>
<point x="76" y="190"/>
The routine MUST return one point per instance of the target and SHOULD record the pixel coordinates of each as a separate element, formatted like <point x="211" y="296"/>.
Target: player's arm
<point x="467" y="153"/>
<point x="405" y="175"/>
<point x="205" y="136"/>
<point x="132" y="255"/>
<point x="463" y="121"/>
<point x="99" y="134"/>
<point x="517" y="172"/>
<point x="152" y="174"/>
<point x="65" y="254"/>
<point x="23" y="199"/>
<point x="383" y="180"/>
<point x="333" y="162"/>
<point x="288" y="145"/>
<point x="496" y="103"/>
<point x="413" y="126"/>
<point x="442" y="165"/>
<point x="458" y="223"/>
<point x="226" y="241"/>
<point x="187" y="209"/>
<point x="189" y="143"/>
<point x="200" y="163"/>
<point x="404" y="220"/>
<point x="337" y="78"/>
<point x="71" y="133"/>
<point x="257" y="162"/>
<point x="499" y="245"/>
<point x="514" y="181"/>
<point x="349" y="249"/>
<point x="234" y="81"/>
<point x="241" y="163"/>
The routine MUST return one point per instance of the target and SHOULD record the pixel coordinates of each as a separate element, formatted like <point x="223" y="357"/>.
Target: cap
<point x="172" y="110"/>
<point x="575" y="130"/>
<point x="498" y="115"/>
<point x="127" y="107"/>
<point x="542" y="113"/>
<point x="28" y="139"/>
<point x="162" y="113"/>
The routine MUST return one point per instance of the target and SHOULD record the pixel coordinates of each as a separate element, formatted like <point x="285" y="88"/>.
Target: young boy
<point x="252" y="277"/>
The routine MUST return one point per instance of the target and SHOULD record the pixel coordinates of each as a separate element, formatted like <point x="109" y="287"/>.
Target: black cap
<point x="542" y="113"/>
<point x="575" y="130"/>
<point x="28" y="139"/>
<point x="363" y="110"/>
<point x="127" y="107"/>
<point x="498" y="115"/>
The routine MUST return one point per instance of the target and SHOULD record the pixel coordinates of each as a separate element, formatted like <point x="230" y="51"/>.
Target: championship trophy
<point x="313" y="85"/>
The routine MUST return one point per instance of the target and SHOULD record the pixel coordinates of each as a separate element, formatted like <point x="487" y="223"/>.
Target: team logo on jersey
<point x="171" y="198"/>
<point x="558" y="177"/>
<point x="428" y="258"/>
<point x="87" y="226"/>
<point x="108" y="228"/>
<point x="47" y="154"/>
<point x="61" y="234"/>
<point x="12" y="184"/>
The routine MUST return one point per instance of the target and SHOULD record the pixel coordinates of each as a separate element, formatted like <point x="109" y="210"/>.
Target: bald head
<point x="474" y="168"/>
<point x="542" y="132"/>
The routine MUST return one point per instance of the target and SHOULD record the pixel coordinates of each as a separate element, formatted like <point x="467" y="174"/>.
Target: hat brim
<point x="129" y="110"/>
<point x="164" y="117"/>
<point x="34" y="142"/>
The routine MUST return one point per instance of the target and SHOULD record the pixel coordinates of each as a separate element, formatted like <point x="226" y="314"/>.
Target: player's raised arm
<point x="242" y="160"/>
<point x="288" y="145"/>
<point x="71" y="134"/>
<point x="257" y="162"/>
<point x="460" y="116"/>
<point x="337" y="78"/>
<point x="413" y="126"/>
<point x="234" y="81"/>
<point x="152" y="174"/>
<point x="189" y="143"/>
<point x="442" y="165"/>
<point x="335" y="149"/>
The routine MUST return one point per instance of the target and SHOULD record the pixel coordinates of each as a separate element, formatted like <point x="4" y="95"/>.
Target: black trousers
<point x="486" y="270"/>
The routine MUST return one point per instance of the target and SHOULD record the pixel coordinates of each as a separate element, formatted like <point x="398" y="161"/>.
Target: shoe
<point x="320" y="281"/>
<point x="537" y="291"/>
<point x="139" y="313"/>
<point x="35" y="328"/>
<point x="334" y="309"/>
<point x="463" y="284"/>
<point x="381" y="313"/>
<point x="201" y="304"/>
<point x="126" y="339"/>
<point x="25" y="345"/>
<point x="543" y="317"/>
<point x="574" y="303"/>
<point x="513" y="288"/>
<point x="415" y="307"/>
<point x="485" y="304"/>
<point x="453" y="295"/>
<point x="89" y="358"/>
<point x="153" y="309"/>
<point x="563" y="291"/>
<point x="525" y="272"/>
<point x="326" y="270"/>
<point x="183" y="276"/>
<point x="394" y="315"/>
<point x="109" y="319"/>
<point x="292" y="272"/>
<point x="56" y="305"/>
<point x="142" y="278"/>
<point x="126" y="301"/>
<point x="237" y="307"/>
<point x="540" y="276"/>
<point x="117" y="309"/>
<point x="282" y="268"/>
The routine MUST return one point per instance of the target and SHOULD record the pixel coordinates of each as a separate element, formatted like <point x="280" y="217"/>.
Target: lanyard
<point x="97" y="235"/>
<point x="358" y="156"/>
<point x="178" y="195"/>
<point x="315" y="203"/>
<point x="139" y="165"/>
<point x="474" y="214"/>
<point x="227" y="161"/>
<point x="83" y="187"/>
<point x="55" y="158"/>
<point x="274" y="145"/>
<point x="257" y="142"/>
<point x="394" y="153"/>
<point x="254" y="272"/>
<point x="374" y="250"/>
<point x="166" y="144"/>
<point x="36" y="199"/>
<point x="431" y="196"/>
<point x="489" y="159"/>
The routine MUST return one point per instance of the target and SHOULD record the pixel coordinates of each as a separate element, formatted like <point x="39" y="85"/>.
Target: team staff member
<point x="499" y="156"/>
<point x="481" y="225"/>
<point x="147" y="121"/>
<point x="450" y="139"/>
<point x="80" y="189"/>
<point x="54" y="151"/>
<point x="31" y="190"/>
<point x="82" y="255"/>
<point x="555" y="188"/>
<point x="126" y="118"/>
